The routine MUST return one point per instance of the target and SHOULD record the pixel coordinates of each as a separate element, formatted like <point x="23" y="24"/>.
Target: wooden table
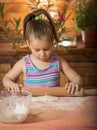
<point x="66" y="113"/>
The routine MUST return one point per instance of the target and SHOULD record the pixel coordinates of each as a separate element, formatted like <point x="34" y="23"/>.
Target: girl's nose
<point x="42" y="53"/>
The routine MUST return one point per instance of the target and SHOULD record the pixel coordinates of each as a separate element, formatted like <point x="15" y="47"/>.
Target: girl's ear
<point x="27" y="42"/>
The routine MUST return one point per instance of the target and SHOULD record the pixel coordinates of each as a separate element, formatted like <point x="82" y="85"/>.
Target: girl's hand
<point x="71" y="87"/>
<point x="13" y="87"/>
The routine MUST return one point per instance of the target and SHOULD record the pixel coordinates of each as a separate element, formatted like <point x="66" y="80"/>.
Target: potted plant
<point x="3" y="22"/>
<point x="86" y="21"/>
<point x="10" y="29"/>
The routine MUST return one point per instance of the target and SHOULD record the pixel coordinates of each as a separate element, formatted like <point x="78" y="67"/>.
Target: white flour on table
<point x="58" y="103"/>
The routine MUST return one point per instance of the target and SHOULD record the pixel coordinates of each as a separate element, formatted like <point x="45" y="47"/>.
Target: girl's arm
<point x="74" y="78"/>
<point x="10" y="78"/>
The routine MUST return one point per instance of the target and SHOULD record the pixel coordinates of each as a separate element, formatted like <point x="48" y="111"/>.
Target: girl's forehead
<point x="45" y="38"/>
<point x="40" y="41"/>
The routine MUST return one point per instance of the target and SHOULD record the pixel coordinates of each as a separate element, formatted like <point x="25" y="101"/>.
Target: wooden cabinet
<point x="4" y="68"/>
<point x="84" y="61"/>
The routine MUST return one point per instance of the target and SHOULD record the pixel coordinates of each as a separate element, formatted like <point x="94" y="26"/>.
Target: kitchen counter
<point x="64" y="113"/>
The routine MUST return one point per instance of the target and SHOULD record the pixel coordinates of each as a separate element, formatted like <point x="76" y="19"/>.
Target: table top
<point x="62" y="113"/>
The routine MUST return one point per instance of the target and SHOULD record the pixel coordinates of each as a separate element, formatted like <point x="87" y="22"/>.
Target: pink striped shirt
<point x="49" y="77"/>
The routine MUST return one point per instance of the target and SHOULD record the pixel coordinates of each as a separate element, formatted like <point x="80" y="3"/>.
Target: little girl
<point x="42" y="67"/>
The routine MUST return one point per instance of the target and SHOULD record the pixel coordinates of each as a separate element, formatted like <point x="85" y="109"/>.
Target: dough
<point x="45" y="98"/>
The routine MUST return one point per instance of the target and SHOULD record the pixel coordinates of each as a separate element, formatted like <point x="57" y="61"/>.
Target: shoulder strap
<point x="27" y="60"/>
<point x="54" y="58"/>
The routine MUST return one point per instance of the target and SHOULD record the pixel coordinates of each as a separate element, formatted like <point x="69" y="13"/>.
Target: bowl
<point x="14" y="108"/>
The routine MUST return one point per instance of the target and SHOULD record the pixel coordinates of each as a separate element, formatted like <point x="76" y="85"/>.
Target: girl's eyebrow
<point x="36" y="48"/>
<point x="40" y="49"/>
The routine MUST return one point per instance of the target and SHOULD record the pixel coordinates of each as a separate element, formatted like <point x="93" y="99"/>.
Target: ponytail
<point x="49" y="22"/>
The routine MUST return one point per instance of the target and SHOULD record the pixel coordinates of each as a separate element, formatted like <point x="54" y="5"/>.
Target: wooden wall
<point x="84" y="61"/>
<point x="20" y="8"/>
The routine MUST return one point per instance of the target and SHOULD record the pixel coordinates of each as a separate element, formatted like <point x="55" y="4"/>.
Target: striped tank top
<point x="49" y="77"/>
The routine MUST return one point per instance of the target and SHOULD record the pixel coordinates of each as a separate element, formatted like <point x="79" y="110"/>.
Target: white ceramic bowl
<point x="14" y="108"/>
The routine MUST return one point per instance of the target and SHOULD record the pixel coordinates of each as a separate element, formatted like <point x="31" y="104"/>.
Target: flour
<point x="59" y="103"/>
<point x="45" y="98"/>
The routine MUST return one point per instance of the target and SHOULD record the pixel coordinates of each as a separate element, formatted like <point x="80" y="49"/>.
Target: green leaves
<point x="86" y="16"/>
<point x="2" y="10"/>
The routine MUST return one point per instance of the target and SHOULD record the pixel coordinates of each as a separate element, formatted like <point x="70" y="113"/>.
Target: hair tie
<point x="37" y="18"/>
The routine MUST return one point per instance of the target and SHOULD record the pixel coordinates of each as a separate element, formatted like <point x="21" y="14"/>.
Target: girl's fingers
<point x="71" y="88"/>
<point x="74" y="88"/>
<point x="9" y="88"/>
<point x="14" y="89"/>
<point x="77" y="87"/>
<point x="66" y="86"/>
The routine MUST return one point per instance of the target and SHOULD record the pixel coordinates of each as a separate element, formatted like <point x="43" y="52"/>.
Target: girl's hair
<point x="39" y="27"/>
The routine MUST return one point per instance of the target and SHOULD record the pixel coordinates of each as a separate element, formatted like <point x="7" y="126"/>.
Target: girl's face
<point x="41" y="48"/>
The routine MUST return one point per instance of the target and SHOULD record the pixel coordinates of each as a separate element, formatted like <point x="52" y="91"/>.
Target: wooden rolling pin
<point x="90" y="92"/>
<point x="54" y="91"/>
<point x="59" y="91"/>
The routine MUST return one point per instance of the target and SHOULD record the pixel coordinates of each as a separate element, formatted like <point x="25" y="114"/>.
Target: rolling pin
<point x="53" y="91"/>
<point x="90" y="92"/>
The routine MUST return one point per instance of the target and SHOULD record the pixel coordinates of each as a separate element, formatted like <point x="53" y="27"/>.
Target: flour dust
<point x="58" y="103"/>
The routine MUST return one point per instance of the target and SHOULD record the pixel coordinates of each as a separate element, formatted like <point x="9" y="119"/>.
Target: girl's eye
<point x="36" y="50"/>
<point x="46" y="49"/>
